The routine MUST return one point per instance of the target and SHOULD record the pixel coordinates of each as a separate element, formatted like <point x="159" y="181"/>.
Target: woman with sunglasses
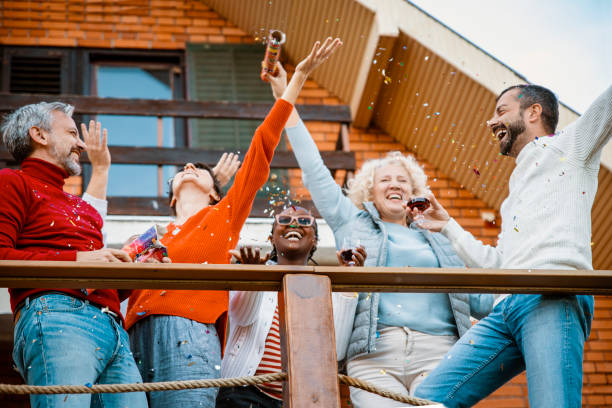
<point x="253" y="346"/>
<point x="178" y="335"/>
<point x="397" y="338"/>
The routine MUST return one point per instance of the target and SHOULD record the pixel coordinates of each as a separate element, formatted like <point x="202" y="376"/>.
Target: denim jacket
<point x="346" y="219"/>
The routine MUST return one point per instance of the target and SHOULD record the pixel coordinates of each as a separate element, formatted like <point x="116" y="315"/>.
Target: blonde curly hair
<point x="359" y="189"/>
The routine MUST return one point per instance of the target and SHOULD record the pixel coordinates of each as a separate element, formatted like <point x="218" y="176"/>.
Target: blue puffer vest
<point x="370" y="230"/>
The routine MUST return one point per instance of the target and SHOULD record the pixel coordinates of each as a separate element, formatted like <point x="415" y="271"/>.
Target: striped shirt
<point x="271" y="360"/>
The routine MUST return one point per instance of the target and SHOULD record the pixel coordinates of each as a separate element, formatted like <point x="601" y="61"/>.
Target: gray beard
<point x="72" y="168"/>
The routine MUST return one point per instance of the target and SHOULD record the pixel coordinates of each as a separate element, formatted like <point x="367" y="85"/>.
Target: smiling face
<point x="194" y="177"/>
<point x="65" y="146"/>
<point x="392" y="187"/>
<point x="293" y="241"/>
<point x="508" y="124"/>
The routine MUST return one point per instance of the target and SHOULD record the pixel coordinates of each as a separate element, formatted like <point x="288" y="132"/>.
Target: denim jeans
<point x="245" y="397"/>
<point x="168" y="348"/>
<point x="60" y="339"/>
<point x="543" y="335"/>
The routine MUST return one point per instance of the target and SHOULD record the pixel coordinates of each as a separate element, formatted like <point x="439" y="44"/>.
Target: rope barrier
<point x="191" y="384"/>
<point x="139" y="387"/>
<point x="354" y="382"/>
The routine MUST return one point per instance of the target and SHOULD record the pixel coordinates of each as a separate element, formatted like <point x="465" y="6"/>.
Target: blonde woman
<point x="397" y="338"/>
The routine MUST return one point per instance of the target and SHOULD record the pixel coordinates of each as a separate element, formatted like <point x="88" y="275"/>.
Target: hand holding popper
<point x="147" y="246"/>
<point x="268" y="65"/>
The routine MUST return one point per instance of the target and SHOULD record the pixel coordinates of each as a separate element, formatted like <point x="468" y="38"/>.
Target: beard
<point x="514" y="129"/>
<point x="72" y="168"/>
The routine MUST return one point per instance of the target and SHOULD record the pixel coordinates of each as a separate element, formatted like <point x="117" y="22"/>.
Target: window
<point x="145" y="81"/>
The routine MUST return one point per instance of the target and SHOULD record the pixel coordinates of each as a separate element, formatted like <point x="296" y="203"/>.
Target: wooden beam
<point x="92" y="105"/>
<point x="159" y="206"/>
<point x="50" y="274"/>
<point x="308" y="342"/>
<point x="179" y="156"/>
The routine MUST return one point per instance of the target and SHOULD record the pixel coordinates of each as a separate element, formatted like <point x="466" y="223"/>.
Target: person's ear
<point x="534" y="113"/>
<point x="38" y="135"/>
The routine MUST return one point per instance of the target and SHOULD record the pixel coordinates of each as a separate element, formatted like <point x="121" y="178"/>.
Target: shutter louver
<point x="225" y="73"/>
<point x="36" y="75"/>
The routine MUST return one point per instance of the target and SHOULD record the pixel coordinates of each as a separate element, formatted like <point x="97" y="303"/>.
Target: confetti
<point x="139" y="313"/>
<point x="471" y="341"/>
<point x="516" y="229"/>
<point x="217" y="367"/>
<point x="191" y="363"/>
<point x="383" y="371"/>
<point x="88" y="385"/>
<point x="52" y="223"/>
<point x="475" y="169"/>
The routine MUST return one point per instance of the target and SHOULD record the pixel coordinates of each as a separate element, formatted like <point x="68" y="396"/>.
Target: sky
<point x="564" y="45"/>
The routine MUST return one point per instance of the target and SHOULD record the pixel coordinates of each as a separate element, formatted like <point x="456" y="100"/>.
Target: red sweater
<point x="39" y="221"/>
<point x="207" y="236"/>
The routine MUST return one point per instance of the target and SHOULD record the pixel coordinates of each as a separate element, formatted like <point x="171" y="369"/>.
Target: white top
<point x="101" y="206"/>
<point x="546" y="218"/>
<point x="250" y="318"/>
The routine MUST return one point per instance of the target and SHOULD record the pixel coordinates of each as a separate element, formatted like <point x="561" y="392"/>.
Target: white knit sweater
<point x="546" y="218"/>
<point x="250" y="318"/>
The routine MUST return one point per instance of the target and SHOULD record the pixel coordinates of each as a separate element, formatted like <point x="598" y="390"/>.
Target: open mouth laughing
<point x="292" y="235"/>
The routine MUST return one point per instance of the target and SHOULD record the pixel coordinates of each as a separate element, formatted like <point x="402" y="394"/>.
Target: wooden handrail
<point x="334" y="160"/>
<point x="307" y="336"/>
<point x="50" y="274"/>
<point x="93" y="105"/>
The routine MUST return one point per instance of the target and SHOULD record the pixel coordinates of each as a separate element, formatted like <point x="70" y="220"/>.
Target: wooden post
<point x="308" y="342"/>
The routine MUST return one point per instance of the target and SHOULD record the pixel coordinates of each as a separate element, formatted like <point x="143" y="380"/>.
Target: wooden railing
<point x="341" y="159"/>
<point x="308" y="344"/>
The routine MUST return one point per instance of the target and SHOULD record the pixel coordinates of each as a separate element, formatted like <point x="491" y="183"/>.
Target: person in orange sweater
<point x="178" y="335"/>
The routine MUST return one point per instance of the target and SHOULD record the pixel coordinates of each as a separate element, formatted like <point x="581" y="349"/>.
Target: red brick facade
<point x="162" y="25"/>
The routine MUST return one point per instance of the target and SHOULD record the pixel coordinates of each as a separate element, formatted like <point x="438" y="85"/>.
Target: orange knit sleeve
<point x="255" y="168"/>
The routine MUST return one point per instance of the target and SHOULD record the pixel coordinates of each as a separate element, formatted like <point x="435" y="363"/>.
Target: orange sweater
<point x="208" y="235"/>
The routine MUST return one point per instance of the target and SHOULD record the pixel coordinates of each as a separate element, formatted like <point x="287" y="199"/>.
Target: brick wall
<point x="152" y="24"/>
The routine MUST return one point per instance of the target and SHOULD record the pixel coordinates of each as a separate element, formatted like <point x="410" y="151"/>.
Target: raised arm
<point x="99" y="156"/>
<point x="587" y="136"/>
<point x="256" y="165"/>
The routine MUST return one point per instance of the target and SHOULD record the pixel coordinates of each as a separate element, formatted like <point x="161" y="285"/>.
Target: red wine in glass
<point x="347" y="255"/>
<point x="420" y="203"/>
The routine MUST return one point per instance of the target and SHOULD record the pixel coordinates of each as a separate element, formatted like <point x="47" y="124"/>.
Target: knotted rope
<point x="191" y="384"/>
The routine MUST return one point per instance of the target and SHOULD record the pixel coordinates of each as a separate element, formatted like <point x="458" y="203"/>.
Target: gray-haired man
<point x="62" y="336"/>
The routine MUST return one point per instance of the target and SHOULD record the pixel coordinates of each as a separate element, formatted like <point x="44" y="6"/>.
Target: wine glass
<point x="421" y="204"/>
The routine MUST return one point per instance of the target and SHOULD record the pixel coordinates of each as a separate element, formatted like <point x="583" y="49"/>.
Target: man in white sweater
<point x="546" y="224"/>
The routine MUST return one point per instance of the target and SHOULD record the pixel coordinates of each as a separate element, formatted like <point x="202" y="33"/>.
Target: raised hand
<point x="248" y="255"/>
<point x="319" y="54"/>
<point x="97" y="149"/>
<point x="226" y="168"/>
<point x="434" y="218"/>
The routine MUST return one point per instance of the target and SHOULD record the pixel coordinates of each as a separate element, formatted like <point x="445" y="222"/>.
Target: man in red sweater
<point x="62" y="336"/>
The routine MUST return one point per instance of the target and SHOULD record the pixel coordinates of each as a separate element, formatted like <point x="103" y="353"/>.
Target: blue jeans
<point x="543" y="335"/>
<point x="60" y="340"/>
<point x="168" y="348"/>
